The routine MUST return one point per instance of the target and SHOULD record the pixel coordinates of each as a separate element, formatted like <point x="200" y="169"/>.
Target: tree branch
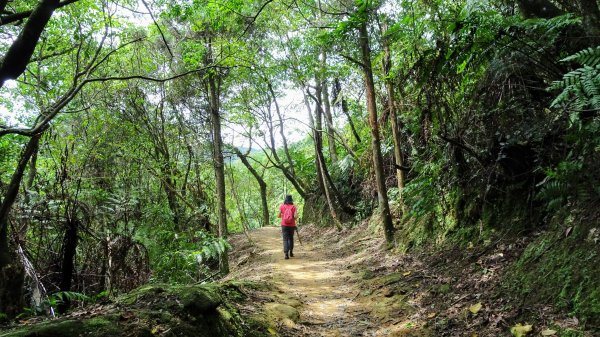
<point x="55" y="109"/>
<point x="158" y="27"/>
<point x="252" y="19"/>
<point x="10" y="18"/>
<point x="458" y="143"/>
<point x="19" y="53"/>
<point x="353" y="60"/>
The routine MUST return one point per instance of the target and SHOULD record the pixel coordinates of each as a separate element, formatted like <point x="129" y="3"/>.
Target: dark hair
<point x="288" y="200"/>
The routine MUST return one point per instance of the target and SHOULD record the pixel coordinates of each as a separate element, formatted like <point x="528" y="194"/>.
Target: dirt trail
<point x="320" y="281"/>
<point x="347" y="284"/>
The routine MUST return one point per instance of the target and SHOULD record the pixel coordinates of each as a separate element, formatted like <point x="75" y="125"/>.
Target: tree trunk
<point x="169" y="187"/>
<point x="261" y="184"/>
<point x="344" y="106"/>
<point x="31" y="174"/>
<point x="288" y="171"/>
<point x="68" y="259"/>
<point x="316" y="136"/>
<point x="18" y="55"/>
<point x="327" y="112"/>
<point x="591" y="19"/>
<point x="538" y="9"/>
<point x="328" y="184"/>
<point x="286" y="149"/>
<point x="332" y="211"/>
<point x="398" y="155"/>
<point x="241" y="208"/>
<point x="11" y="272"/>
<point x="384" y="206"/>
<point x="219" y="166"/>
<point x="321" y="165"/>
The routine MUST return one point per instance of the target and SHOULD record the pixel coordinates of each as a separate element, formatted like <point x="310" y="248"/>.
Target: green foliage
<point x="567" y="264"/>
<point x="573" y="179"/>
<point x="181" y="259"/>
<point x="62" y="297"/>
<point x="589" y="57"/>
<point x="580" y="87"/>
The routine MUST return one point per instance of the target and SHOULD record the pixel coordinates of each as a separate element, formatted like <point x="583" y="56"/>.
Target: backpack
<point x="288" y="215"/>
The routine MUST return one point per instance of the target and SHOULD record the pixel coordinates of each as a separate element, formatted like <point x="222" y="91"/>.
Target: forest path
<point x="319" y="279"/>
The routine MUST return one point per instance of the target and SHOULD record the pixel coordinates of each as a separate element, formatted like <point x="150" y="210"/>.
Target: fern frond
<point x="561" y="98"/>
<point x="582" y="85"/>
<point x="590" y="87"/>
<point x="589" y="57"/>
<point x="595" y="102"/>
<point x="555" y="193"/>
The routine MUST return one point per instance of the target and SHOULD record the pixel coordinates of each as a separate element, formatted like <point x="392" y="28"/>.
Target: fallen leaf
<point x="474" y="334"/>
<point x="520" y="330"/>
<point x="431" y="315"/>
<point x="568" y="231"/>
<point x="548" y="332"/>
<point x="406" y="273"/>
<point x="474" y="309"/>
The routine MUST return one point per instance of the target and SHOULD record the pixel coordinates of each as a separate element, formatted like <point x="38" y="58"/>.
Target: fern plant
<point x="580" y="87"/>
<point x="66" y="296"/>
<point x="555" y="193"/>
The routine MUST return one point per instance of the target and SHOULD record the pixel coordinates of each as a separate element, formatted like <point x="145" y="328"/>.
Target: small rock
<point x="282" y="311"/>
<point x="388" y="292"/>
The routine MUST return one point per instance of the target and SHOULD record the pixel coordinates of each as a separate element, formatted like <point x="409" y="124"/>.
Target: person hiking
<point x="288" y="214"/>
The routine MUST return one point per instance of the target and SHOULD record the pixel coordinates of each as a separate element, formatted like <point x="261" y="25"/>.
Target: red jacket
<point x="282" y="210"/>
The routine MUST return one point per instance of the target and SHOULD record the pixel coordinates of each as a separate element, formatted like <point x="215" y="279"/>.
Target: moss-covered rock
<point x="100" y="326"/>
<point x="166" y="310"/>
<point x="280" y="311"/>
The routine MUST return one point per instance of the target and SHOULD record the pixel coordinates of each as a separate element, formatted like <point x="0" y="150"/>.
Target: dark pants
<point x="288" y="238"/>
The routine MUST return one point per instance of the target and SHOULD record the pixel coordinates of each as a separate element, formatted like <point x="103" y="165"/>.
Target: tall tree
<point x="213" y="89"/>
<point x="322" y="78"/>
<point x="11" y="272"/>
<point x="392" y="108"/>
<point x="365" y="52"/>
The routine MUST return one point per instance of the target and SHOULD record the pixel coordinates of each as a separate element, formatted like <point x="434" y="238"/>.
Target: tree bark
<point x="11" y="272"/>
<point x="219" y="165"/>
<point x="328" y="184"/>
<point x="18" y="55"/>
<point x="327" y="111"/>
<point x="330" y="204"/>
<point x="591" y="19"/>
<point x="68" y="259"/>
<point x="398" y="155"/>
<point x="316" y="136"/>
<point x="321" y="165"/>
<point x="384" y="207"/>
<point x="344" y="107"/>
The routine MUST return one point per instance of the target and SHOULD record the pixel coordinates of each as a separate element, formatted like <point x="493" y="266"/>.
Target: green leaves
<point x="589" y="57"/>
<point x="520" y="330"/>
<point x="580" y="87"/>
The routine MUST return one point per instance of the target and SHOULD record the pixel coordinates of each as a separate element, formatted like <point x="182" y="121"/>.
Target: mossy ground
<point x="166" y="310"/>
<point x="562" y="267"/>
